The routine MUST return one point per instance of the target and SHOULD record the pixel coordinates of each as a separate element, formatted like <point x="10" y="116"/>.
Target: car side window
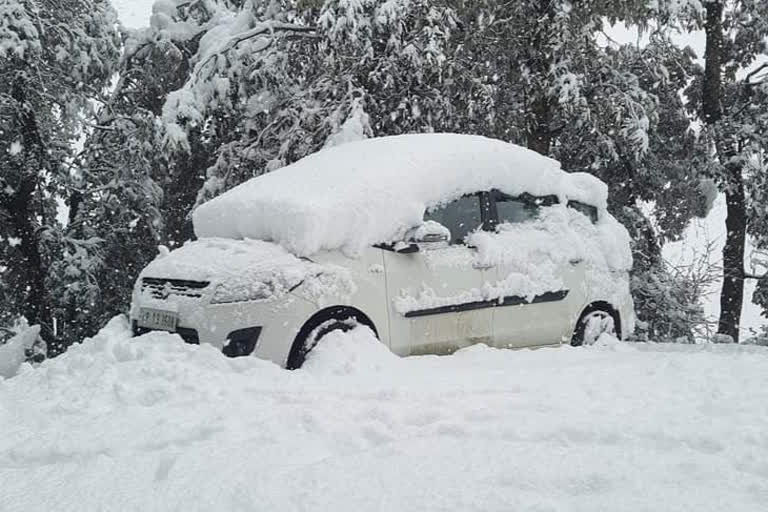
<point x="522" y="208"/>
<point x="585" y="209"/>
<point x="461" y="216"/>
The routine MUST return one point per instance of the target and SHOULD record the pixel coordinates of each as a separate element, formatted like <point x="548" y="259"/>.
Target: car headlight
<point x="242" y="292"/>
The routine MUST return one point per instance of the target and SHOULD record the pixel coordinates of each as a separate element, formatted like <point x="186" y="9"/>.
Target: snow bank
<point x="153" y="424"/>
<point x="356" y="352"/>
<point x="361" y="193"/>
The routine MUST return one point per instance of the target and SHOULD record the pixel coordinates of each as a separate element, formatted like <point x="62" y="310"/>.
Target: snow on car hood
<point x="238" y="266"/>
<point x="351" y="196"/>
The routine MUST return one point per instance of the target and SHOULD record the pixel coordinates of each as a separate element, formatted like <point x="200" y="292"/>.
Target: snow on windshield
<point x="361" y="193"/>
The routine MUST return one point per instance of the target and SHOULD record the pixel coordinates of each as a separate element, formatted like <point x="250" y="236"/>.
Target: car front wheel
<point x="333" y="319"/>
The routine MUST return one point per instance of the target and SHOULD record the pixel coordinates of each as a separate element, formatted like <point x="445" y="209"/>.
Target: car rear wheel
<point x="593" y="324"/>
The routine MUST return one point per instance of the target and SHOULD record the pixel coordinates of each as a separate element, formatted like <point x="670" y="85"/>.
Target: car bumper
<point x="275" y="323"/>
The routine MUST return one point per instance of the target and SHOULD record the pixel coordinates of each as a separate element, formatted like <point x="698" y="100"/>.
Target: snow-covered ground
<point x="154" y="424"/>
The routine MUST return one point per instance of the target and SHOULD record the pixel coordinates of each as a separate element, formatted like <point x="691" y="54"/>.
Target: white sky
<point x="134" y="13"/>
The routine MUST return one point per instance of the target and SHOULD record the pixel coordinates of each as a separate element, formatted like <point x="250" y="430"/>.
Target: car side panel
<point x="431" y="280"/>
<point x="368" y="293"/>
<point x="547" y="320"/>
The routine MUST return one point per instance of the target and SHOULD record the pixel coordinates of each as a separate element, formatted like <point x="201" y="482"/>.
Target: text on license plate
<point x="158" y="319"/>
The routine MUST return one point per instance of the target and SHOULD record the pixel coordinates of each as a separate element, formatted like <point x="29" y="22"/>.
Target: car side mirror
<point x="429" y="235"/>
<point x="406" y="248"/>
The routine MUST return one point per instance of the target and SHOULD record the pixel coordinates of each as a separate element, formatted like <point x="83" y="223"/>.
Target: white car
<point x="434" y="241"/>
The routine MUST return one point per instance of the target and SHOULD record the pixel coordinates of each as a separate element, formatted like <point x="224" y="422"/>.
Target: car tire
<point x="319" y="326"/>
<point x="594" y="322"/>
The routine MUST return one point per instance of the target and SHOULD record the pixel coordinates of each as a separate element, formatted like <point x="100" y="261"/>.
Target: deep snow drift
<point x="154" y="424"/>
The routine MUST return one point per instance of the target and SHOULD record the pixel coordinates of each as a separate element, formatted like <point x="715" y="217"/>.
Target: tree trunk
<point x="75" y="200"/>
<point x="32" y="262"/>
<point x="21" y="210"/>
<point x="539" y="136"/>
<point x="732" y="292"/>
<point x="713" y="56"/>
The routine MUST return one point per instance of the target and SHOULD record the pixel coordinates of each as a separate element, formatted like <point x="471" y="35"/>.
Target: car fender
<point x="367" y="292"/>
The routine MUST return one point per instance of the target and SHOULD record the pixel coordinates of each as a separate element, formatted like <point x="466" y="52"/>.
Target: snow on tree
<point x="284" y="78"/>
<point x="545" y="81"/>
<point x="130" y="196"/>
<point x="55" y="59"/>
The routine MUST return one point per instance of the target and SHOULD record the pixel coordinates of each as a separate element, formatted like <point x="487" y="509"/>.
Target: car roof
<point x="349" y="196"/>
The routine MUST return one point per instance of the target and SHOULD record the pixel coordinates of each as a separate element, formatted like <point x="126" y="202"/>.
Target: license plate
<point x="158" y="319"/>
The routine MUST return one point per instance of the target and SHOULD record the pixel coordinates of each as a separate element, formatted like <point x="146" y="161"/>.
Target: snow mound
<point x="118" y="370"/>
<point x="361" y="193"/>
<point x="609" y="342"/>
<point x="350" y="353"/>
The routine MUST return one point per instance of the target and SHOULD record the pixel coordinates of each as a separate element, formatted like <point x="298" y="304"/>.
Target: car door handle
<point x="576" y="261"/>
<point x="482" y="266"/>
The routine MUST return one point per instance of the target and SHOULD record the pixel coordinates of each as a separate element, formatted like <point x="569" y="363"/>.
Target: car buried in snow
<point x="433" y="241"/>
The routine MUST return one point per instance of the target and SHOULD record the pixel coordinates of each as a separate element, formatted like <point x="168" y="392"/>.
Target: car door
<point x="545" y="318"/>
<point x="434" y="294"/>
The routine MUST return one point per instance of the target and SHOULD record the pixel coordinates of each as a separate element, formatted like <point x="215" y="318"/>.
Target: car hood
<point x="239" y="268"/>
<point x="218" y="260"/>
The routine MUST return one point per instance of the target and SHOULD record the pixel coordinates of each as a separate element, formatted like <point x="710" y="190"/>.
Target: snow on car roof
<point x="361" y="193"/>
